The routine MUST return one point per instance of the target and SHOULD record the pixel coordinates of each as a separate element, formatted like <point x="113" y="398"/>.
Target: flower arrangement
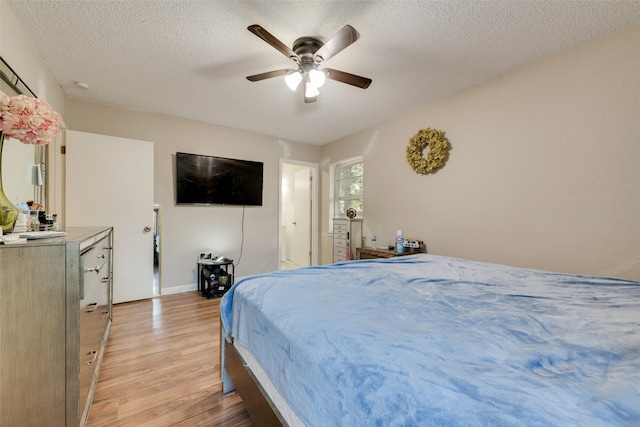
<point x="438" y="146"/>
<point x="29" y="120"/>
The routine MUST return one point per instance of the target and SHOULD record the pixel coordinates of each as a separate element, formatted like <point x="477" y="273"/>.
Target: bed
<point x="429" y="340"/>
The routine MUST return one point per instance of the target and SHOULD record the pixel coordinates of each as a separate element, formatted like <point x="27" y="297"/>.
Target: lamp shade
<point x="34" y="174"/>
<point x="293" y="80"/>
<point x="311" y="90"/>
<point x="317" y="78"/>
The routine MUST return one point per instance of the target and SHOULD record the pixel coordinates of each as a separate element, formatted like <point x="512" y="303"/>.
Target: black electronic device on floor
<point x="215" y="275"/>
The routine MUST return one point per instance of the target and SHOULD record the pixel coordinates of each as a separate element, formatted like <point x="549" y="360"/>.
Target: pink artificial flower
<point x="29" y="120"/>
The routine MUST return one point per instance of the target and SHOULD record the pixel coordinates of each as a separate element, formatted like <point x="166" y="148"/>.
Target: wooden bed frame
<point x="260" y="407"/>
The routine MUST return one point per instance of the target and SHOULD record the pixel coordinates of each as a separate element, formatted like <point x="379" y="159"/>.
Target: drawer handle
<point x="106" y="279"/>
<point x="93" y="359"/>
<point x="101" y="256"/>
<point x="105" y="314"/>
<point x="92" y="307"/>
<point x="96" y="269"/>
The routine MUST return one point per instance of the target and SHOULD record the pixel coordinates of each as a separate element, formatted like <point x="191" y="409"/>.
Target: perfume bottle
<point x="34" y="222"/>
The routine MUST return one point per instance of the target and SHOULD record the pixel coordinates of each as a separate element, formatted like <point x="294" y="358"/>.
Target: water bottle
<point x="373" y="242"/>
<point x="399" y="242"/>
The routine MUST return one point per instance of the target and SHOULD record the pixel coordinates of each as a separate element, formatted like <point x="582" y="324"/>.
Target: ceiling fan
<point x="309" y="53"/>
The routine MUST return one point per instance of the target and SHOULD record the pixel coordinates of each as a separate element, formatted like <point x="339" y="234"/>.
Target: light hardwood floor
<point x="162" y="367"/>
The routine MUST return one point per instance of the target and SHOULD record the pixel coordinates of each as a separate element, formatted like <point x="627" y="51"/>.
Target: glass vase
<point x="8" y="211"/>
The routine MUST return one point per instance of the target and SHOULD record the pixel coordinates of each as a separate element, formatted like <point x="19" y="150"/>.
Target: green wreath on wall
<point x="438" y="149"/>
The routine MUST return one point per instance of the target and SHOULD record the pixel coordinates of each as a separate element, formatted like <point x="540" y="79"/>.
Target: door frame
<point x="157" y="208"/>
<point x="314" y="169"/>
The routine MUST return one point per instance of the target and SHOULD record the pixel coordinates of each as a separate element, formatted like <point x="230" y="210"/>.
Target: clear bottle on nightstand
<point x="34" y="222"/>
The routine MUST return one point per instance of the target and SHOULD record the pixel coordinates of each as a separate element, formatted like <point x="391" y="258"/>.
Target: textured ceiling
<point x="190" y="58"/>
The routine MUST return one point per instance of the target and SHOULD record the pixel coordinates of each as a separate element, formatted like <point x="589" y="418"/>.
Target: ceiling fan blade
<point x="348" y="78"/>
<point x="270" y="74"/>
<point x="342" y="39"/>
<point x="273" y="41"/>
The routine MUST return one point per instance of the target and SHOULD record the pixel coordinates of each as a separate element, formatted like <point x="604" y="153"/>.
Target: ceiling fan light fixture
<point x="317" y="78"/>
<point x="311" y="91"/>
<point x="309" y="53"/>
<point x="293" y="80"/>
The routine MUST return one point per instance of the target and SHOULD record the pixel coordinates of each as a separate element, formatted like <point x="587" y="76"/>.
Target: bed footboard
<point x="259" y="406"/>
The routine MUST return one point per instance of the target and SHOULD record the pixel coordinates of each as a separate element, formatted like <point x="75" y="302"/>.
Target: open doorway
<point x="298" y="214"/>
<point x="156" y="249"/>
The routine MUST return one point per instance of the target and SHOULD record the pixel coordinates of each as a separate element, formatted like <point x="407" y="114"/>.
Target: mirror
<point x="23" y="165"/>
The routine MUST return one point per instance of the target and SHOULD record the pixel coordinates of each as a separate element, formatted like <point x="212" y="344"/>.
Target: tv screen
<point x="208" y="180"/>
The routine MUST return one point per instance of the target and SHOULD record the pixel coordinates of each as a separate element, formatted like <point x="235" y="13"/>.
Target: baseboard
<point x="185" y="288"/>
<point x="179" y="289"/>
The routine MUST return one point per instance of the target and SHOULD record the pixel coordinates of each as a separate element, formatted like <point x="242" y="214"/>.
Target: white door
<point x="302" y="226"/>
<point x="109" y="182"/>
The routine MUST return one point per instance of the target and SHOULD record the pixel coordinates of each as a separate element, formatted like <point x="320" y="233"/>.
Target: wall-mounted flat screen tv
<point x="209" y="180"/>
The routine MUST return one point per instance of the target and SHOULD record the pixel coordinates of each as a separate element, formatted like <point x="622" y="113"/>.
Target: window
<point x="349" y="186"/>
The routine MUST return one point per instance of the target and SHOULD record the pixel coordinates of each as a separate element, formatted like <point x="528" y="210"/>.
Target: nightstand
<point x="370" y="253"/>
<point x="215" y="278"/>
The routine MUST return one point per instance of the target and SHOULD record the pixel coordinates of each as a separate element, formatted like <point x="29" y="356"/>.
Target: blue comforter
<point x="424" y="340"/>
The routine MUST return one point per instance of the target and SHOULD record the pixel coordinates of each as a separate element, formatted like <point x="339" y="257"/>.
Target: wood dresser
<point x="55" y="315"/>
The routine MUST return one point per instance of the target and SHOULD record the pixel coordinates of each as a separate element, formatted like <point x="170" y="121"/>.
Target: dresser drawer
<point x="337" y="258"/>
<point x="340" y="225"/>
<point x="339" y="243"/>
<point x="340" y="234"/>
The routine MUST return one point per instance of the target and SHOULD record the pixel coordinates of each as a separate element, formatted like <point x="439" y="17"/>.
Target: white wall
<point x="21" y="54"/>
<point x="17" y="49"/>
<point x="543" y="171"/>
<point x="188" y="230"/>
